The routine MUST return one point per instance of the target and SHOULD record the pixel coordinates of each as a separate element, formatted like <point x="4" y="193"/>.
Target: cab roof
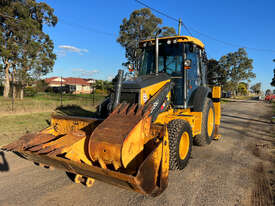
<point x="178" y="39"/>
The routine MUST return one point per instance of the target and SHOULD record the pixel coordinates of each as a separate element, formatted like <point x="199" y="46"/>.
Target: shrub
<point x="30" y="92"/>
<point x="41" y="86"/>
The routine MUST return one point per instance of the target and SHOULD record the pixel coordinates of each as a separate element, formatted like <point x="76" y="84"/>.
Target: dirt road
<point x="237" y="170"/>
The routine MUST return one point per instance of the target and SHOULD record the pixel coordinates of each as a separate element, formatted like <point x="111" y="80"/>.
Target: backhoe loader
<point x="145" y="127"/>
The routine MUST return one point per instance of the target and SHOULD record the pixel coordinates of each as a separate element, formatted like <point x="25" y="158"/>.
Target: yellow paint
<point x="217" y="107"/>
<point x="165" y="153"/>
<point x="178" y="38"/>
<point x="78" y="153"/>
<point x="148" y="92"/>
<point x="134" y="142"/>
<point x="89" y="182"/>
<point x="77" y="178"/>
<point x="64" y="126"/>
<point x="184" y="145"/>
<point x="216" y="92"/>
<point x="193" y="118"/>
<point x="136" y="145"/>
<point x="210" y="122"/>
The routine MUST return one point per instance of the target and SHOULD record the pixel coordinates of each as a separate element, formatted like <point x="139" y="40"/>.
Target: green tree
<point x="213" y="67"/>
<point x="242" y="88"/>
<point x="99" y="84"/>
<point x="24" y="47"/>
<point x="256" y="88"/>
<point x="41" y="85"/>
<point x="267" y="92"/>
<point x="238" y="67"/>
<point x="229" y="86"/>
<point x="141" y="25"/>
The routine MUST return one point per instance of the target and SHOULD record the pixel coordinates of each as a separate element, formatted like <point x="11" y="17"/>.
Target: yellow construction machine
<point x="144" y="128"/>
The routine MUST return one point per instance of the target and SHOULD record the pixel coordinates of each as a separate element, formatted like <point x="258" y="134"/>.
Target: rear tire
<point x="180" y="143"/>
<point x="207" y="124"/>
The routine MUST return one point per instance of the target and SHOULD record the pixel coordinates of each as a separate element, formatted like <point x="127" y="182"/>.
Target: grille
<point x="129" y="97"/>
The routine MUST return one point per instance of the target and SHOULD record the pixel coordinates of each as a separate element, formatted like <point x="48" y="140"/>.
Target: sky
<point x="86" y="33"/>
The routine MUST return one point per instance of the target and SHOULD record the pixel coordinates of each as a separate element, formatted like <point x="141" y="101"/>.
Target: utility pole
<point x="179" y="27"/>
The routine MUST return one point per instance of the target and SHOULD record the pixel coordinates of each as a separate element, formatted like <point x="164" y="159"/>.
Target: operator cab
<point x="182" y="58"/>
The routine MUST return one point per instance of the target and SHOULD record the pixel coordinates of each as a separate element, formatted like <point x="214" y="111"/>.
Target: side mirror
<point x="213" y="78"/>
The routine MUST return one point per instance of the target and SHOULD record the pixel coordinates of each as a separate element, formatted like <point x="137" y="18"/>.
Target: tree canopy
<point x="256" y="88"/>
<point x="24" y="47"/>
<point x="238" y="67"/>
<point x="268" y="92"/>
<point x="214" y="67"/>
<point x="141" y="25"/>
<point x="242" y="88"/>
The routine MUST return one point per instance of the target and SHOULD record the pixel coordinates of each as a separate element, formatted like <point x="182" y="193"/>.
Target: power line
<point x="203" y="34"/>
<point x="72" y="25"/>
<point x="230" y="44"/>
<point x="164" y="14"/>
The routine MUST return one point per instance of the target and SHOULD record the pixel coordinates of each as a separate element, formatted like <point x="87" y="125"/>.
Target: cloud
<point x="63" y="49"/>
<point x="85" y="73"/>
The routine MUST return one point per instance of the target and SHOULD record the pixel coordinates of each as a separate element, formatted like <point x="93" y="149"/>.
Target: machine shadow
<point x="4" y="166"/>
<point x="244" y="118"/>
<point x="74" y="110"/>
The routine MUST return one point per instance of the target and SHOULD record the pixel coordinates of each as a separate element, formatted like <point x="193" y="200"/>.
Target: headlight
<point x="187" y="63"/>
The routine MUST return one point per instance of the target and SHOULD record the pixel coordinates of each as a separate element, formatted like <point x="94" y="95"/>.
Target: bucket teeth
<point x="123" y="109"/>
<point x="8" y="147"/>
<point x="118" y="108"/>
<point x="46" y="150"/>
<point x="57" y="152"/>
<point x="39" y="139"/>
<point x="35" y="148"/>
<point x="131" y="110"/>
<point x="28" y="141"/>
<point x="139" y="111"/>
<point x="20" y="143"/>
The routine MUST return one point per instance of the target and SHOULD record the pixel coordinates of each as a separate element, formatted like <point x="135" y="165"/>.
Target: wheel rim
<point x="210" y="122"/>
<point x="184" y="145"/>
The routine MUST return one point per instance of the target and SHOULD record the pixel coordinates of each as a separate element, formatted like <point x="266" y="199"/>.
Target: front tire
<point x="207" y="124"/>
<point x="180" y="143"/>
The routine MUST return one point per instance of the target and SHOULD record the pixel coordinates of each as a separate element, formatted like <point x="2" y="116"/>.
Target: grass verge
<point x="45" y="102"/>
<point x="14" y="126"/>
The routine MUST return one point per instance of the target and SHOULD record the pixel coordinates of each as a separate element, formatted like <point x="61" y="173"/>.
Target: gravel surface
<point x="236" y="170"/>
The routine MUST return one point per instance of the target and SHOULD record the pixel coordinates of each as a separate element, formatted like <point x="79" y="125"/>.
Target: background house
<point x="71" y="84"/>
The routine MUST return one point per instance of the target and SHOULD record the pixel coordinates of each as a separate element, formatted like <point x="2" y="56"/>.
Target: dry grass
<point x="33" y="113"/>
<point x="46" y="103"/>
<point x="14" y="126"/>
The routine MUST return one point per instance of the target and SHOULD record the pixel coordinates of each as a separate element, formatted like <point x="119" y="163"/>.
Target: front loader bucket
<point x="67" y="143"/>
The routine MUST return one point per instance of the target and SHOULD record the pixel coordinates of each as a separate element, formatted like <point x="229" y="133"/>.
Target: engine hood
<point x="145" y="81"/>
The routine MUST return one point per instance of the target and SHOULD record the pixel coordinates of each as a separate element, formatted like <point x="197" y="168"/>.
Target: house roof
<point x="49" y="80"/>
<point x="67" y="80"/>
<point x="72" y="80"/>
